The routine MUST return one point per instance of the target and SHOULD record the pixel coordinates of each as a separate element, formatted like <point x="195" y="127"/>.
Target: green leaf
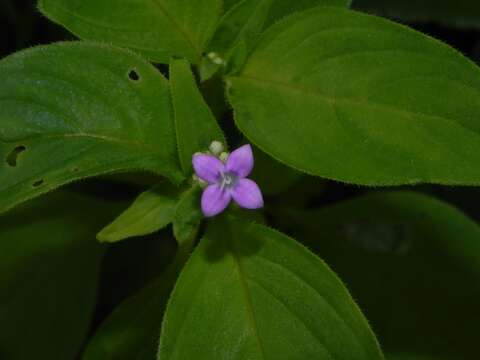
<point x="283" y="8"/>
<point x="360" y="99"/>
<point x="463" y="13"/>
<point x="188" y="216"/>
<point x="157" y="29"/>
<point x="195" y="124"/>
<point x="413" y="264"/>
<point x="151" y="211"/>
<point x="131" y="331"/>
<point x="243" y="22"/>
<point x="249" y="292"/>
<point x="49" y="267"/>
<point x="73" y="110"/>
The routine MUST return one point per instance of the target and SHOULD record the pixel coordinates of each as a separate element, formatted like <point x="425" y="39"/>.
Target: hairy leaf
<point x="73" y="110"/>
<point x="249" y="292"/>
<point x="150" y="212"/>
<point x="283" y="8"/>
<point x="195" y="124"/>
<point x="187" y="217"/>
<point x="242" y="25"/>
<point x="360" y="99"/>
<point x="158" y="29"/>
<point x="243" y="22"/>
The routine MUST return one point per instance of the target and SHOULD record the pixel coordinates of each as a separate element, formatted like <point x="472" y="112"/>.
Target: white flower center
<point x="228" y="180"/>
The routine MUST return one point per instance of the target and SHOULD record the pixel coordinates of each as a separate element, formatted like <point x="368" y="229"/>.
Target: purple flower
<point x="227" y="181"/>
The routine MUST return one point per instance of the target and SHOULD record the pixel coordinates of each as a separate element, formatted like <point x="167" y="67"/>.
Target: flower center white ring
<point x="228" y="180"/>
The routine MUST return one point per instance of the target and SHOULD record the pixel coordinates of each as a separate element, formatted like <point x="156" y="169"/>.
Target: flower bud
<point x="216" y="148"/>
<point x="224" y="156"/>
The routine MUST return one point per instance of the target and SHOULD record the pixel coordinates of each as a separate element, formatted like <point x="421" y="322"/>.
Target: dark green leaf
<point x="243" y="22"/>
<point x="158" y="29"/>
<point x="413" y="264"/>
<point x="131" y="331"/>
<point x="150" y="212"/>
<point x="360" y="99"/>
<point x="249" y="292"/>
<point x="195" y="124"/>
<point x="74" y="110"/>
<point x="463" y="13"/>
<point x="188" y="216"/>
<point x="49" y="267"/>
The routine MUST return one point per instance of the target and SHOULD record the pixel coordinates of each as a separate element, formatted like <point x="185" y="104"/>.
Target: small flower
<point x="227" y="181"/>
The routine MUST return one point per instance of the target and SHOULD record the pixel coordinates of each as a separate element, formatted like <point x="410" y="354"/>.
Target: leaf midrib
<point x="180" y="29"/>
<point x="248" y="22"/>
<point x="332" y="100"/>
<point x="100" y="137"/>
<point x="248" y="302"/>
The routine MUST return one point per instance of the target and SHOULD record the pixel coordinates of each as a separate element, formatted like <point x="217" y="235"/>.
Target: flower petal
<point x="207" y="167"/>
<point x="247" y="194"/>
<point x="240" y="162"/>
<point x="214" y="200"/>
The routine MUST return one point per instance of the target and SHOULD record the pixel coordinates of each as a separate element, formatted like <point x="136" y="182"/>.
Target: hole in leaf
<point x="133" y="75"/>
<point x="38" y="183"/>
<point x="12" y="157"/>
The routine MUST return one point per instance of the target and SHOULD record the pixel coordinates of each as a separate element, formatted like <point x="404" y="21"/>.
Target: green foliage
<point x="249" y="292"/>
<point x="355" y="98"/>
<point x="131" y="331"/>
<point x="73" y="110"/>
<point x="187" y="217"/>
<point x="151" y="211"/>
<point x="241" y="26"/>
<point x="158" y="29"/>
<point x="283" y="8"/>
<point x="243" y="22"/>
<point x="49" y="267"/>
<point x="195" y="124"/>
<point x="412" y="263"/>
<point x="319" y="90"/>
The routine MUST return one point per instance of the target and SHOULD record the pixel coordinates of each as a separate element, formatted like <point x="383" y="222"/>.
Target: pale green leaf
<point x="249" y="292"/>
<point x="360" y="99"/>
<point x="73" y="110"/>
<point x="151" y="211"/>
<point x="49" y="268"/>
<point x="413" y="264"/>
<point x="158" y="29"/>
<point x="195" y="124"/>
